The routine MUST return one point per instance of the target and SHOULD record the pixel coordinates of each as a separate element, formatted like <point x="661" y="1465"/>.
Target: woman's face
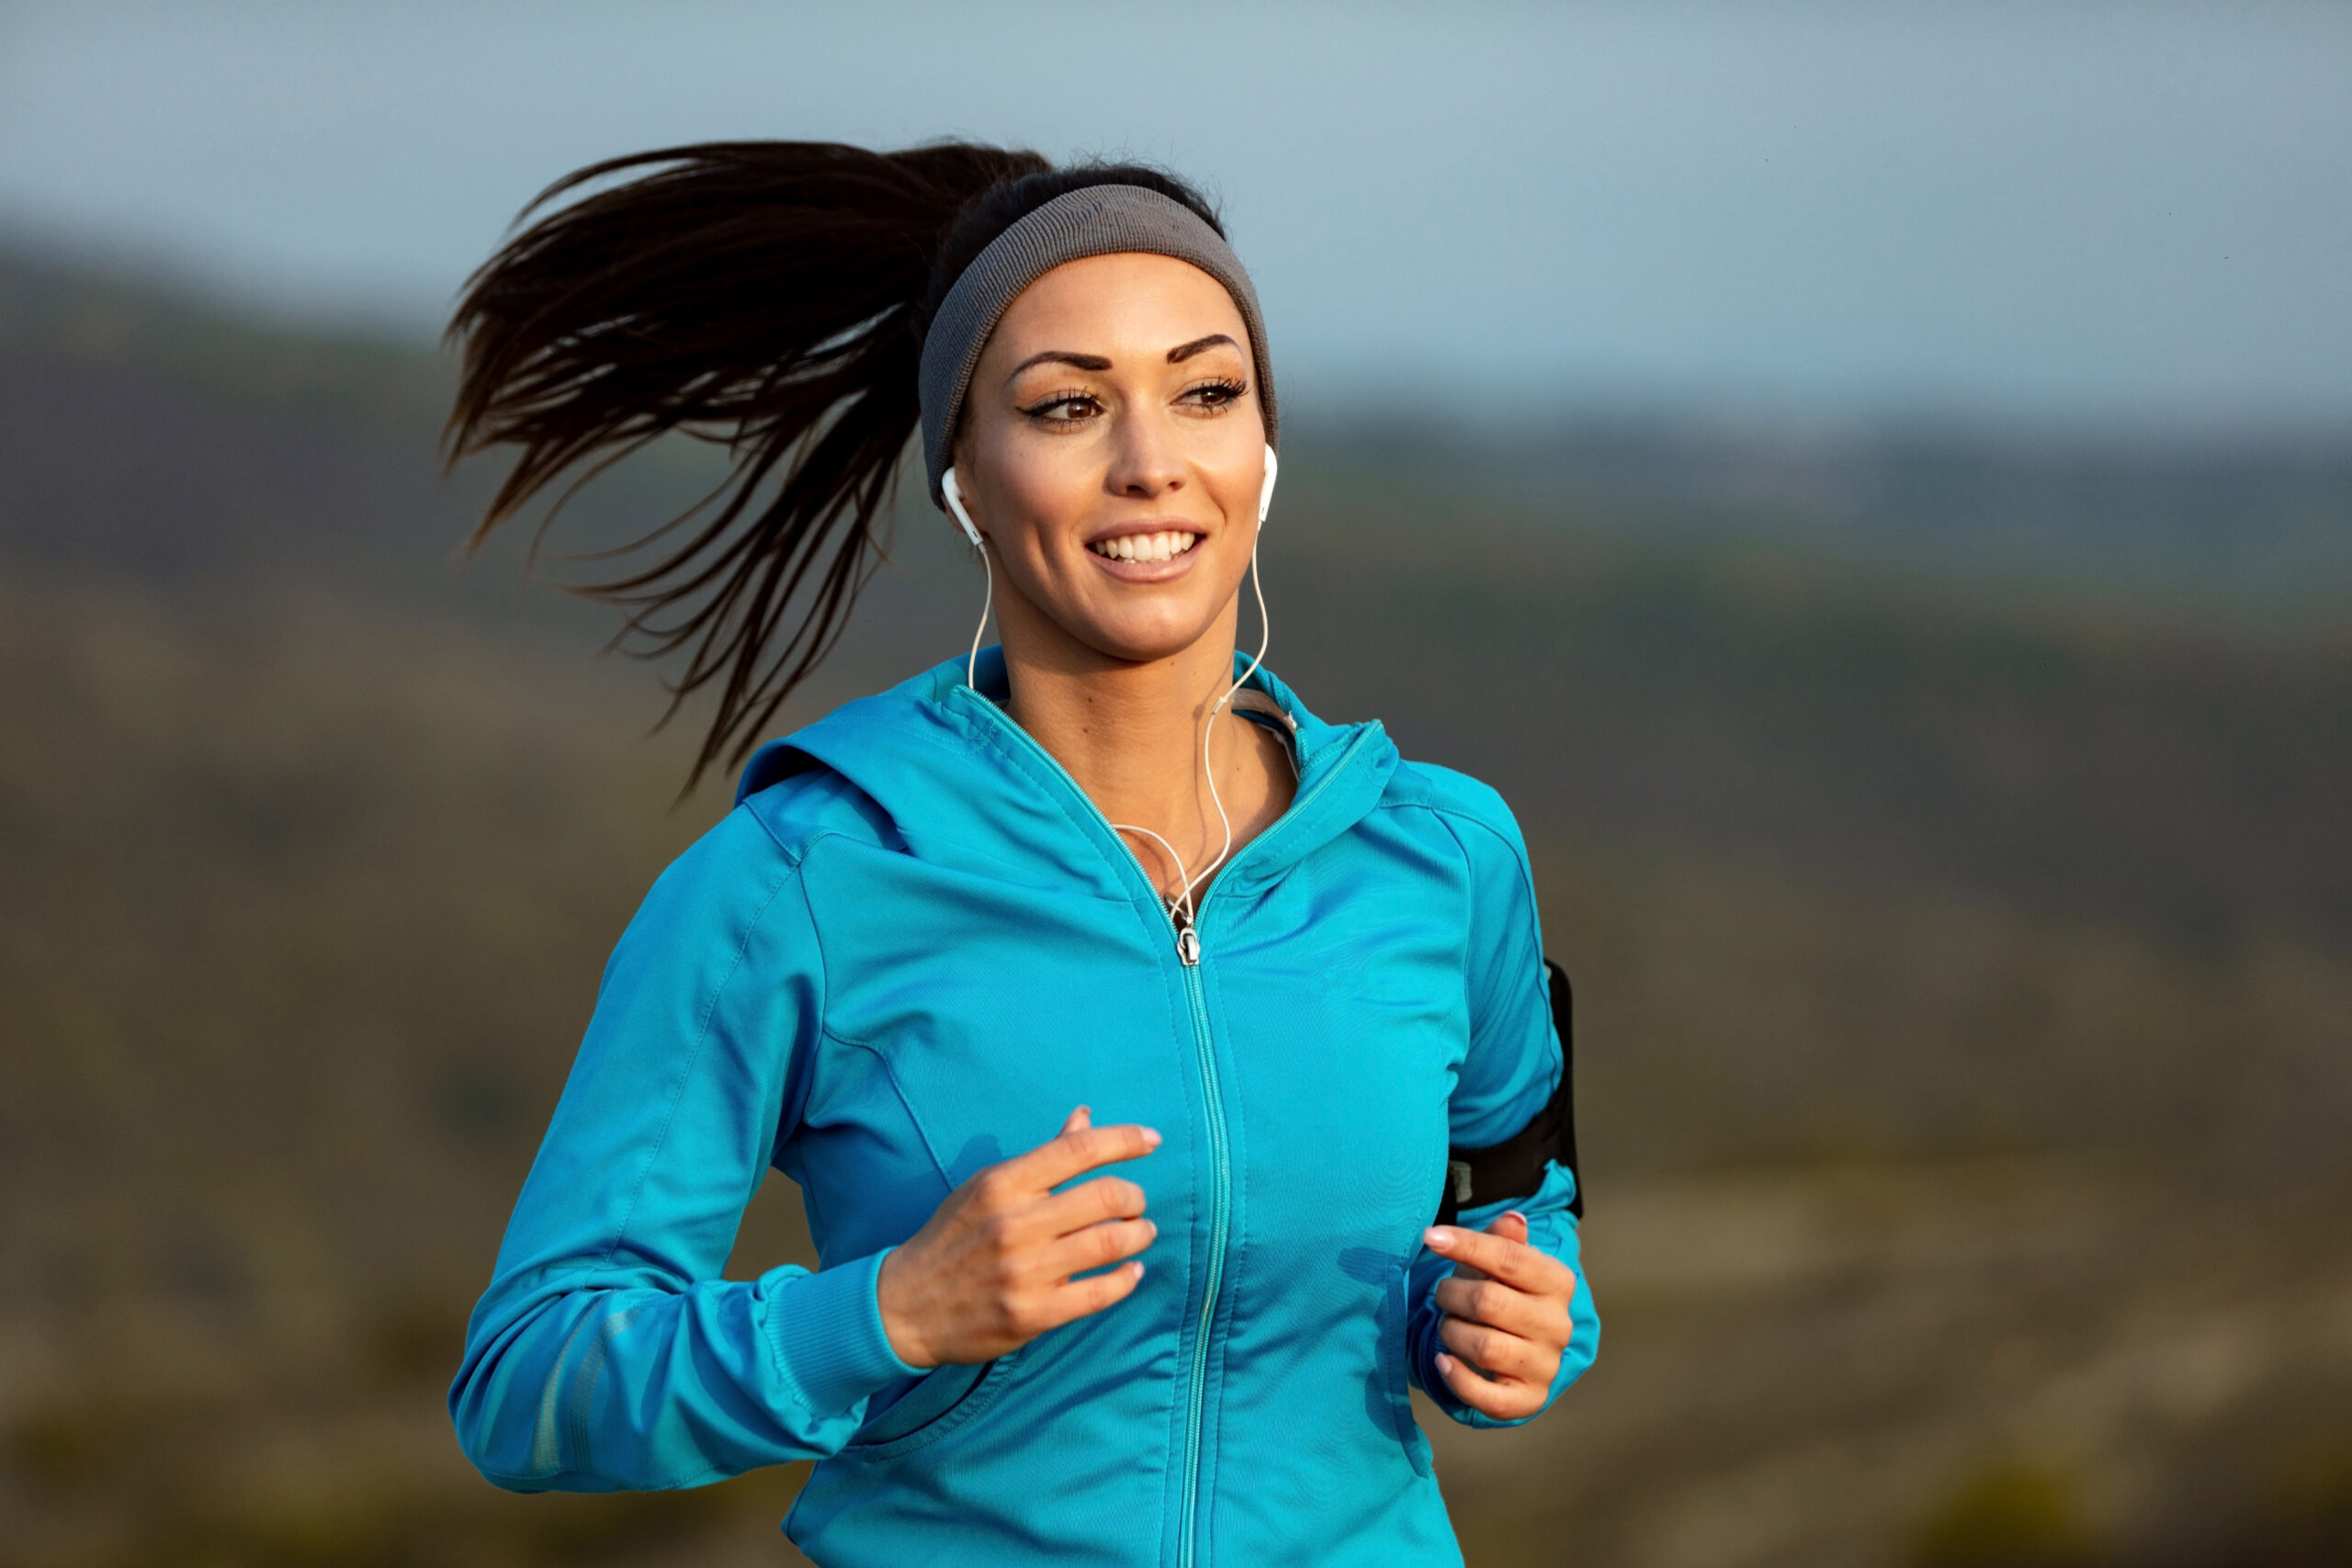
<point x="1112" y="451"/>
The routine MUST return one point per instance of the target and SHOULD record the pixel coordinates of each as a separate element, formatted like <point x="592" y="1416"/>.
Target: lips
<point x="1148" y="548"/>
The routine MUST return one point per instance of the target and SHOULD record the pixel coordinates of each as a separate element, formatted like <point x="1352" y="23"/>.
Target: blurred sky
<point x="2084" y="214"/>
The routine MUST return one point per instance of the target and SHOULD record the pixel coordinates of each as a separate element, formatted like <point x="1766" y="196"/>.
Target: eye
<point x="1214" y="396"/>
<point x="1065" y="408"/>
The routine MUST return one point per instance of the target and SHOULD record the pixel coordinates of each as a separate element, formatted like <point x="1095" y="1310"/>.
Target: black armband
<point x="1514" y="1167"/>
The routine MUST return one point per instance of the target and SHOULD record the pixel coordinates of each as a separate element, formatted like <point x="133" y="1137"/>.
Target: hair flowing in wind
<point x="761" y="296"/>
<point x="770" y="298"/>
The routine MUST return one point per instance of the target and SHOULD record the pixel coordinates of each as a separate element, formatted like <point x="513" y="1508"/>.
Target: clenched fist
<point x="991" y="1269"/>
<point x="1506" y="1317"/>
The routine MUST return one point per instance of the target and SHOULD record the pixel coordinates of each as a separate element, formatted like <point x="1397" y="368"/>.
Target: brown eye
<point x="1214" y="396"/>
<point x="1065" y="408"/>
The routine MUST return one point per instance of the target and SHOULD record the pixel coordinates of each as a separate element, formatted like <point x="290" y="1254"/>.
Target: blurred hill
<point x="2246" y="526"/>
<point x="1957" y="873"/>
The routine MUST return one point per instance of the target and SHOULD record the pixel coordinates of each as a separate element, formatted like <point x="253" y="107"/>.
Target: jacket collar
<point x="964" y="785"/>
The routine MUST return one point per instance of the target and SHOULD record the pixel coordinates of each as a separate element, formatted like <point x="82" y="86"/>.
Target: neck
<point x="1129" y="732"/>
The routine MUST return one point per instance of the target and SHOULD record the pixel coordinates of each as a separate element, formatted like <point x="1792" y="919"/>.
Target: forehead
<point x="1131" y="299"/>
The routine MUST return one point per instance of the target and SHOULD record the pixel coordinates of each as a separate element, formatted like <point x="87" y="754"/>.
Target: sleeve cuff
<point x="826" y="1330"/>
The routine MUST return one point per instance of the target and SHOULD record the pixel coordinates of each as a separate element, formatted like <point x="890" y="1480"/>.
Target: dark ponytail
<point x="767" y="295"/>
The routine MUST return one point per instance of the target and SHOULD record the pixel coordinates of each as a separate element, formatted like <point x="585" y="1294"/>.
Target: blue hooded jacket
<point x="909" y="951"/>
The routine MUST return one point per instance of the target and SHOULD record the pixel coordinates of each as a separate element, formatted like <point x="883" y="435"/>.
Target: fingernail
<point x="1150" y="1138"/>
<point x="1437" y="1238"/>
<point x="1515" y="1215"/>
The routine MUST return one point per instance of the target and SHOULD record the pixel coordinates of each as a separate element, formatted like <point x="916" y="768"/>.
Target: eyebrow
<point x="1176" y="356"/>
<point x="1182" y="352"/>
<point x="1063" y="356"/>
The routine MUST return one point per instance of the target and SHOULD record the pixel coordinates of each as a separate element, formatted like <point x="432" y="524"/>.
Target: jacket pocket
<point x="1395" y="1348"/>
<point x="946" y="1401"/>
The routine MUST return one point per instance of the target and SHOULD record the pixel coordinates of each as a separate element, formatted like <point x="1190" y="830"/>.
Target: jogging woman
<point x="1123" y="1023"/>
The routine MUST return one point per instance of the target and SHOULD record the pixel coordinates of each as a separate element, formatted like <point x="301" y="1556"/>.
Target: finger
<point x="1496" y="1304"/>
<point x="1069" y="1302"/>
<point x="1512" y="1262"/>
<point x="1497" y="1354"/>
<point x="1503" y="1401"/>
<point x="1076" y="1121"/>
<point x="1500" y="1355"/>
<point x="1510" y="1225"/>
<point x="1094" y="1247"/>
<point x="1088" y="1204"/>
<point x="1050" y="1163"/>
<point x="1465" y="1271"/>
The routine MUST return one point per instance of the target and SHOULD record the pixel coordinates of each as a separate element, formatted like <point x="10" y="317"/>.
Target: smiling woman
<point x="1303" y="974"/>
<point x="1175" y="429"/>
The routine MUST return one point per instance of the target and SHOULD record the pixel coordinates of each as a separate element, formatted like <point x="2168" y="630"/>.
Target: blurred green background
<point x="1948" y="821"/>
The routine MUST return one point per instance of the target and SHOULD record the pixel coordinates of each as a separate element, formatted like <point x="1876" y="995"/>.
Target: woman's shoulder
<point x="1455" y="796"/>
<point x="763" y="841"/>
<point x="796" y="806"/>
<point x="705" y="915"/>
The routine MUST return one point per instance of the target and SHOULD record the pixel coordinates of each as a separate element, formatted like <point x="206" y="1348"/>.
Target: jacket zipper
<point x="1189" y="953"/>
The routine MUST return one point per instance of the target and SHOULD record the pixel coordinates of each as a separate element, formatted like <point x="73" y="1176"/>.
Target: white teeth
<point x="1148" y="548"/>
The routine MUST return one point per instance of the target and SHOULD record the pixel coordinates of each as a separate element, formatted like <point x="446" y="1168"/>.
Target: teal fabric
<point x="909" y="951"/>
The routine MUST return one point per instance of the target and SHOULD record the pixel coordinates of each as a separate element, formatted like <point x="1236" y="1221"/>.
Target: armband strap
<point x="1514" y="1167"/>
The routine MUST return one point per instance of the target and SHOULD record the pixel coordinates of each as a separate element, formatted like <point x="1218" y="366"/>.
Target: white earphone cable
<point x="1184" y="899"/>
<point x="1265" y="632"/>
<point x="988" y="602"/>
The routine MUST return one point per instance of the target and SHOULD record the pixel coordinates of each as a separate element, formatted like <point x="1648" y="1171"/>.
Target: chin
<point x="1140" y="650"/>
<point x="1140" y="644"/>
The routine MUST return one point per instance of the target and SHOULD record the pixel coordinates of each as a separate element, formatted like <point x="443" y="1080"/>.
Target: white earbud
<point x="1266" y="494"/>
<point x="955" y="494"/>
<point x="948" y="488"/>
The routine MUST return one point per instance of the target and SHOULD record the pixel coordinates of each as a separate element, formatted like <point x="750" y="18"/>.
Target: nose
<point x="1145" y="460"/>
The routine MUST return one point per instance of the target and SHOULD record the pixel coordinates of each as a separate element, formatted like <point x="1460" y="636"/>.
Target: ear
<point x="955" y="494"/>
<point x="1266" y="492"/>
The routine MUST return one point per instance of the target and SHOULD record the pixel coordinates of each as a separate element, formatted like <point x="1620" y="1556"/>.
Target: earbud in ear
<point x="1266" y="494"/>
<point x="955" y="494"/>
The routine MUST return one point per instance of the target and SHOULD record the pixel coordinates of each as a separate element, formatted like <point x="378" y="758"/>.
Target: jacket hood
<point x="952" y="776"/>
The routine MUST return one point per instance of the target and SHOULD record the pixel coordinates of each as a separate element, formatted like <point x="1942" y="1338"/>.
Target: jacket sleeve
<point x="607" y="1354"/>
<point x="1508" y="1074"/>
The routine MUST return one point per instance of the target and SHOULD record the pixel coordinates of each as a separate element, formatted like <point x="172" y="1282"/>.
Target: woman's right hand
<point x="990" y="1269"/>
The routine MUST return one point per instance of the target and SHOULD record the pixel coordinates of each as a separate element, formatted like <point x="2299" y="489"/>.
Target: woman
<point x="1285" y="968"/>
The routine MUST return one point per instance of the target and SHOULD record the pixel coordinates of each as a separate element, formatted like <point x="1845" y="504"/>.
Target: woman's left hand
<point x="1506" y="1317"/>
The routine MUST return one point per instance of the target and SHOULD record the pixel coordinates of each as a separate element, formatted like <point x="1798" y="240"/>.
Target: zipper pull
<point x="1188" y="945"/>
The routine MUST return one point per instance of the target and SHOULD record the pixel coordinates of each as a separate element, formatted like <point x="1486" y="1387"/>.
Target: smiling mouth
<point x="1146" y="548"/>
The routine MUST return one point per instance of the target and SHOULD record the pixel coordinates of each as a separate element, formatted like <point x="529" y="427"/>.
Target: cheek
<point x="1040" y="492"/>
<point x="1238" y="473"/>
<point x="1237" y="496"/>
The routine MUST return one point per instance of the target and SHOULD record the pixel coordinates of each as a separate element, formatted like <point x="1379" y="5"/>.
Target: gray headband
<point x="1097" y="221"/>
